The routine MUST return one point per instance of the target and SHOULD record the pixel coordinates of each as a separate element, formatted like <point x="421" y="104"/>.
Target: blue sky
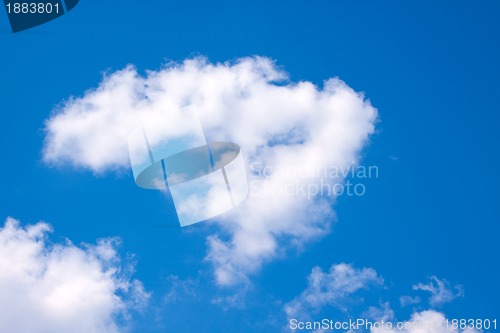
<point x="431" y="69"/>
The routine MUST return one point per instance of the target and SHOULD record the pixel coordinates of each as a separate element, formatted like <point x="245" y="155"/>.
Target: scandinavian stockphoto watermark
<point x="365" y="324"/>
<point x="331" y="181"/>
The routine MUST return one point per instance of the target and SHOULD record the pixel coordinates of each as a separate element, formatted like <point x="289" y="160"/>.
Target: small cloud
<point x="408" y="300"/>
<point x="440" y="291"/>
<point x="379" y="313"/>
<point x="332" y="288"/>
<point x="233" y="300"/>
<point x="180" y="288"/>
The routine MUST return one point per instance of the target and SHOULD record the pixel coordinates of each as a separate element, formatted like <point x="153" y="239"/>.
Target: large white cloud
<point x="60" y="288"/>
<point x="291" y="135"/>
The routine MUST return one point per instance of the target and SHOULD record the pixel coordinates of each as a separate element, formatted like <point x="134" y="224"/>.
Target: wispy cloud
<point x="440" y="291"/>
<point x="336" y="288"/>
<point x="408" y="300"/>
<point x="180" y="288"/>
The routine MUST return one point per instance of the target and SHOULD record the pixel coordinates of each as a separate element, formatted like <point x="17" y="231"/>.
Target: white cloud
<point x="333" y="288"/>
<point x="440" y="291"/>
<point x="408" y="300"/>
<point x="428" y="321"/>
<point x="180" y="288"/>
<point x="336" y="288"/>
<point x="278" y="125"/>
<point x="52" y="288"/>
<point x="382" y="312"/>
